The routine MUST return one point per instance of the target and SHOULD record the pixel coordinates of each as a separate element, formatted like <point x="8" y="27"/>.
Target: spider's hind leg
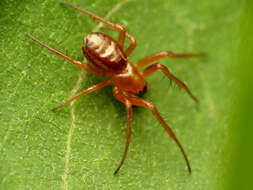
<point x="79" y="64"/>
<point x="116" y="27"/>
<point x="122" y="31"/>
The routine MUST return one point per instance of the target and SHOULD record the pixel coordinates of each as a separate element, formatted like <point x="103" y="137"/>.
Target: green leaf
<point x="241" y="172"/>
<point x="80" y="145"/>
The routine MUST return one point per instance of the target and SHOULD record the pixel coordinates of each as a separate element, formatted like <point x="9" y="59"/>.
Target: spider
<point x="109" y="59"/>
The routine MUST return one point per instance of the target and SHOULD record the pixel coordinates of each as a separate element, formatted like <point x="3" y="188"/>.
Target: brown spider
<point x="109" y="59"/>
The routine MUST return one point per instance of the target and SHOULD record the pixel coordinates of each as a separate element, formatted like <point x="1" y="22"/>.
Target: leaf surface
<point x="80" y="145"/>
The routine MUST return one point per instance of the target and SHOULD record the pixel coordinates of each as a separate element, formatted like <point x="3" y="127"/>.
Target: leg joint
<point x="160" y="66"/>
<point x="131" y="38"/>
<point x="120" y="28"/>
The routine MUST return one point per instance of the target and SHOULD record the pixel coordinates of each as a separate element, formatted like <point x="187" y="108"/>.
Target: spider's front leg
<point x="129" y="111"/>
<point x="136" y="101"/>
<point x="131" y="100"/>
<point x="155" y="67"/>
<point x="122" y="31"/>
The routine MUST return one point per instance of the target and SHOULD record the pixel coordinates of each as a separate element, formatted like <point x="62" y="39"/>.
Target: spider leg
<point x="122" y="35"/>
<point x="131" y="46"/>
<point x="87" y="91"/>
<point x="129" y="111"/>
<point x="75" y="62"/>
<point x="117" y="27"/>
<point x="136" y="101"/>
<point x="145" y="61"/>
<point x="152" y="68"/>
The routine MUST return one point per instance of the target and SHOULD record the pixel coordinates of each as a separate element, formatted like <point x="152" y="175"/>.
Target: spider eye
<point x="144" y="90"/>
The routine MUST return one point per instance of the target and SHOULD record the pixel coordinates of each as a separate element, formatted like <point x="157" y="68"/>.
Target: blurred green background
<point x="242" y="117"/>
<point x="79" y="146"/>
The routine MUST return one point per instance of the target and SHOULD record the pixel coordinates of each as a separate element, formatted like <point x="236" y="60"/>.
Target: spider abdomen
<point x="103" y="51"/>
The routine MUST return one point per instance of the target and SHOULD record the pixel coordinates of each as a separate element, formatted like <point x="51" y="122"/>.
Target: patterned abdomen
<point x="103" y="51"/>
